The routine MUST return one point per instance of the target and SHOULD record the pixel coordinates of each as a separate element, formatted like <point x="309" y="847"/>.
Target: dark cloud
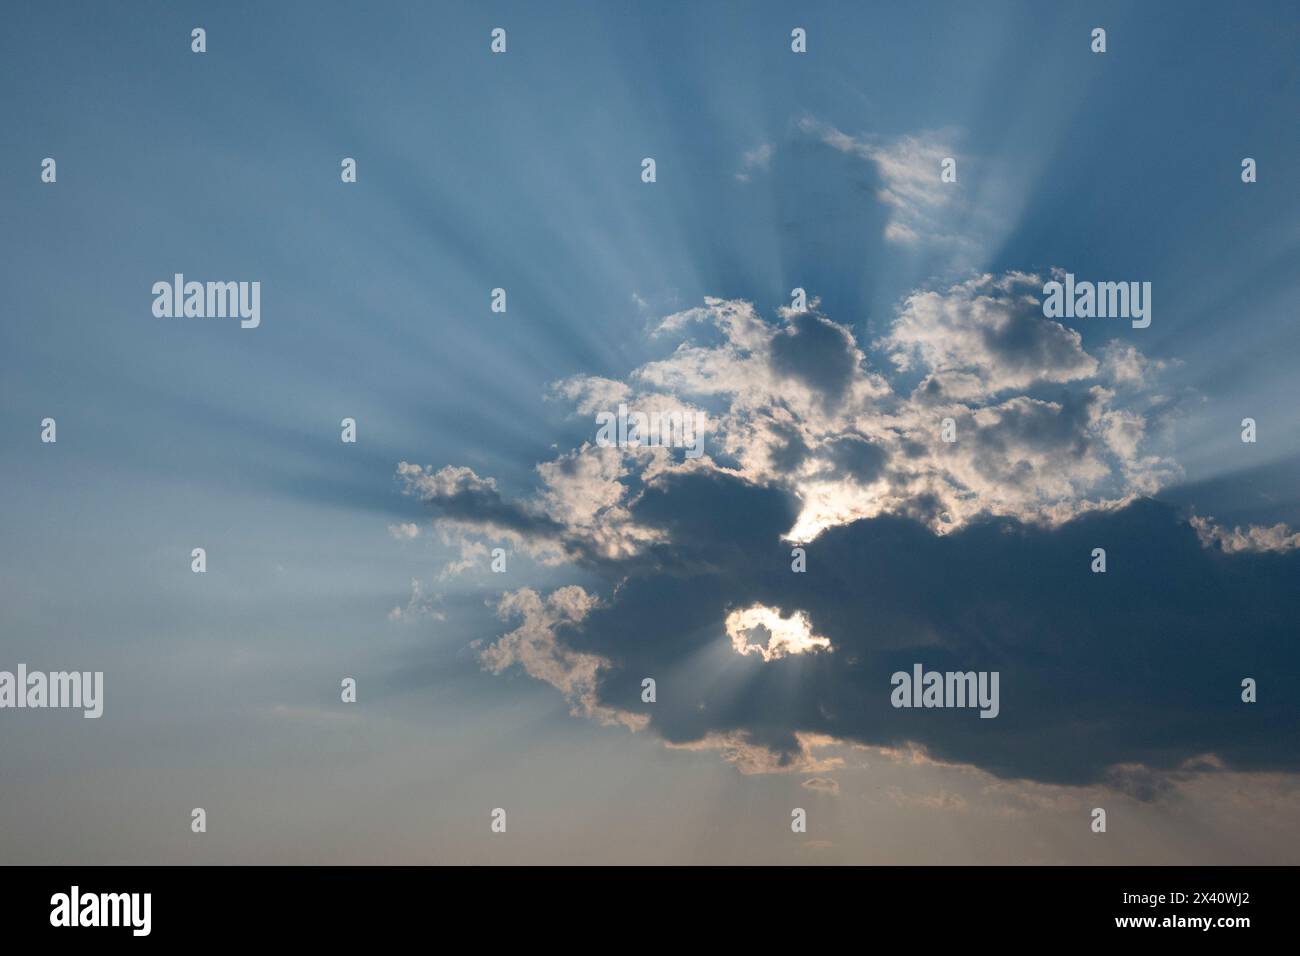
<point x="1026" y="343"/>
<point x="1006" y="447"/>
<point x="1138" y="667"/>
<point x="856" y="458"/>
<point x="817" y="353"/>
<point x="788" y="450"/>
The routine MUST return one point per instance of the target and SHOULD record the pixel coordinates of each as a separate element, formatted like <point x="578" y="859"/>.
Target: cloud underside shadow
<point x="1139" y="665"/>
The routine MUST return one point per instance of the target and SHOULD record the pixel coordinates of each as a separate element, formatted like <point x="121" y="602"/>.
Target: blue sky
<point x="522" y="171"/>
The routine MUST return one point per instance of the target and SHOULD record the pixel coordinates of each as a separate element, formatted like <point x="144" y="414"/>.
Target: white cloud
<point x="1277" y="537"/>
<point x="909" y="170"/>
<point x="534" y="647"/>
<point x="985" y="336"/>
<point x="754" y="160"/>
<point x="795" y="404"/>
<point x="1123" y="364"/>
<point x="419" y="605"/>
<point x="472" y="553"/>
<point x="785" y="635"/>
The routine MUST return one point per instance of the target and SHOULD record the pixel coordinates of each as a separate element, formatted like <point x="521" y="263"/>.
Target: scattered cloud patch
<point x="755" y="160"/>
<point x="419" y="605"/>
<point x="1277" y="537"/>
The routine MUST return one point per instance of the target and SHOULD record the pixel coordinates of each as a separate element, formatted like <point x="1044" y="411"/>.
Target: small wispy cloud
<point x="1278" y="537"/>
<point x="909" y="170"/>
<point x="826" y="785"/>
<point x="755" y="160"/>
<point x="419" y="605"/>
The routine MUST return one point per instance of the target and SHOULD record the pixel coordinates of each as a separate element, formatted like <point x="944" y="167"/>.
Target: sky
<point x="522" y="689"/>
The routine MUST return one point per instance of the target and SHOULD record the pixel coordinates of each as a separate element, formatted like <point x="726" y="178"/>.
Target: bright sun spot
<point x="785" y="635"/>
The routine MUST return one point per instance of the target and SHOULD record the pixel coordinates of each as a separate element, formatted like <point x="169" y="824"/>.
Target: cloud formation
<point x="1043" y="430"/>
<point x="971" y="554"/>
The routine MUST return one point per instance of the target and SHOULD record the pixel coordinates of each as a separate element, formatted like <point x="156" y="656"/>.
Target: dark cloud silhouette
<point x="816" y="352"/>
<point x="1139" y="667"/>
<point x="856" y="458"/>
